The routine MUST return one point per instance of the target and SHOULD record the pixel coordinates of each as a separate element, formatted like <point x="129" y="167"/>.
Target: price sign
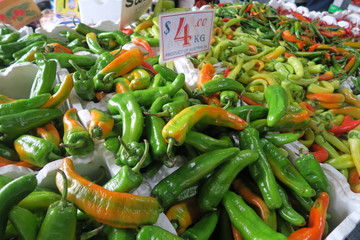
<point x="186" y="33"/>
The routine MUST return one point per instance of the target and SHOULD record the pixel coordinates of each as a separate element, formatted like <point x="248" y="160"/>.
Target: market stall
<point x="219" y="121"/>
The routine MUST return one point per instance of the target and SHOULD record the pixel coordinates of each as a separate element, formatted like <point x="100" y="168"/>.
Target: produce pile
<point x="268" y="80"/>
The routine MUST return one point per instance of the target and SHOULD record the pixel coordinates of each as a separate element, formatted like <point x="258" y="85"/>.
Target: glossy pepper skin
<point x="83" y="84"/>
<point x="246" y="220"/>
<point x="261" y="170"/>
<point x="8" y="153"/>
<point x="60" y="215"/>
<point x="285" y="171"/>
<point x="24" y="222"/>
<point x="35" y="150"/>
<point x="101" y="123"/>
<point x="76" y="140"/>
<point x="311" y="170"/>
<point x="214" y="188"/>
<point x="277" y="101"/>
<point x="11" y="194"/>
<point x="24" y="104"/>
<point x="127" y="179"/>
<point x="171" y="186"/>
<point x="178" y="102"/>
<point x="45" y="77"/>
<point x="123" y="210"/>
<point x="221" y="84"/>
<point x="257" y="111"/>
<point x="14" y="125"/>
<point x="202" y="229"/>
<point x="205" y="143"/>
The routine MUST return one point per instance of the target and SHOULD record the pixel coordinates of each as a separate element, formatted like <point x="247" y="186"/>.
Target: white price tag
<point x="186" y="33"/>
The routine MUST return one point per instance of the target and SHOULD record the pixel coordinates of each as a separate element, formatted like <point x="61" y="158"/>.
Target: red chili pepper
<point x="248" y="8"/>
<point x="127" y="31"/>
<point x="354" y="180"/>
<point x="300" y="17"/>
<point x="149" y="67"/>
<point x="143" y="43"/>
<point x="250" y="101"/>
<point x="307" y="107"/>
<point x="344" y="127"/>
<point x="225" y="19"/>
<point x="313" y="47"/>
<point x="328" y="75"/>
<point x="319" y="152"/>
<point x="317" y="220"/>
<point x="227" y="71"/>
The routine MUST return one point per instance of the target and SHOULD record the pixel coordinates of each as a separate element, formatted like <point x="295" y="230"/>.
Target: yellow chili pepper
<point x="62" y="94"/>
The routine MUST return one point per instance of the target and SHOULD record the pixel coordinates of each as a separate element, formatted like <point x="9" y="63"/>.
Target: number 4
<point x="182" y="33"/>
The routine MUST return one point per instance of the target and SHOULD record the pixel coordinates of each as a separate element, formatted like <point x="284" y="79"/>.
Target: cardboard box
<point x="18" y="13"/>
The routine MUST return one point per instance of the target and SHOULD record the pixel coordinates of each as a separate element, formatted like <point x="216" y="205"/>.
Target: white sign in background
<point x="184" y="34"/>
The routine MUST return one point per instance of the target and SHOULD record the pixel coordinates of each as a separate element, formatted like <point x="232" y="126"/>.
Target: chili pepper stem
<point x="78" y="69"/>
<point x="78" y="144"/>
<point x="63" y="201"/>
<point x="53" y="156"/>
<point x="171" y="158"/>
<point x="137" y="167"/>
<point x="108" y="77"/>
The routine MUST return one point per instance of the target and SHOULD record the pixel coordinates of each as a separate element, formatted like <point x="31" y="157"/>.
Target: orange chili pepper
<point x="331" y="105"/>
<point x="250" y="101"/>
<point x="317" y="220"/>
<point x="57" y="47"/>
<point x="184" y="214"/>
<point x="62" y="94"/>
<point x="100" y="95"/>
<point x="101" y="123"/>
<point x="349" y="64"/>
<point x="122" y="86"/>
<point x="253" y="48"/>
<point x="289" y="54"/>
<point x="350" y="97"/>
<point x="49" y="132"/>
<point x="328" y="75"/>
<point x="124" y="63"/>
<point x="307" y="107"/>
<point x="206" y="74"/>
<point x="286" y="35"/>
<point x="245" y="191"/>
<point x="6" y="162"/>
<point x="348" y="110"/>
<point x="300" y="17"/>
<point x="326" y="97"/>
<point x="280" y="50"/>
<point x="6" y="99"/>
<point x="352" y="44"/>
<point x="117" y="209"/>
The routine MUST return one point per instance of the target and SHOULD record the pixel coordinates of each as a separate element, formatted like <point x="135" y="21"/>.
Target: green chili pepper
<point x="83" y="85"/>
<point x="215" y="187"/>
<point x="153" y="232"/>
<point x="154" y="125"/>
<point x="9" y="48"/>
<point x="127" y="106"/>
<point x="297" y="66"/>
<point x="4" y="180"/>
<point x="93" y="44"/>
<point x="246" y="220"/>
<point x="285" y="171"/>
<point x="344" y="161"/>
<point x="139" y="79"/>
<point x="320" y="140"/>
<point x="72" y="35"/>
<point x="203" y="229"/>
<point x="311" y="170"/>
<point x="171" y="186"/>
<point x="45" y="77"/>
<point x="120" y="37"/>
<point x="112" y="144"/>
<point x="206" y="143"/>
<point x="177" y="103"/>
<point x="18" y="54"/>
<point x="24" y="222"/>
<point x="253" y="111"/>
<point x="287" y="212"/>
<point x="103" y="60"/>
<point x="38" y="201"/>
<point x="114" y="233"/>
<point x="261" y="169"/>
<point x="284" y="227"/>
<point x="279" y="139"/>
<point x="35" y="150"/>
<point x="76" y="140"/>
<point x="221" y="84"/>
<point x="127" y="179"/>
<point x="60" y="219"/>
<point x="24" y="104"/>
<point x="277" y="101"/>
<point x="63" y="59"/>
<point x="228" y="99"/>
<point x="14" y="125"/>
<point x="11" y="194"/>
<point x="83" y="29"/>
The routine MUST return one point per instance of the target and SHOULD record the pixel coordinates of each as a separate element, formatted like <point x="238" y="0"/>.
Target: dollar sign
<point x="167" y="27"/>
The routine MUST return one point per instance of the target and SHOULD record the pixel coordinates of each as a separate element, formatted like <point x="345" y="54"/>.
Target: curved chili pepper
<point x="76" y="140"/>
<point x="143" y="43"/>
<point x="205" y="143"/>
<point x="122" y="85"/>
<point x="317" y="220"/>
<point x="184" y="214"/>
<point x="261" y="169"/>
<point x="6" y="99"/>
<point x="83" y="84"/>
<point x="6" y="162"/>
<point x="206" y="74"/>
<point x="244" y="187"/>
<point x="221" y="84"/>
<point x="328" y="75"/>
<point x="350" y="97"/>
<point x="171" y="186"/>
<point x="24" y="222"/>
<point x="344" y="127"/>
<point x="49" y="132"/>
<point x="352" y="111"/>
<point x="354" y="144"/>
<point x="62" y="93"/>
<point x="101" y="124"/>
<point x="8" y="153"/>
<point x="214" y="188"/>
<point x="326" y="97"/>
<point x="57" y="47"/>
<point x="45" y="76"/>
<point x="139" y="79"/>
<point x="123" y="210"/>
<point x="277" y="101"/>
<point x="354" y="180"/>
<point x="279" y="139"/>
<point x="246" y="220"/>
<point x="176" y="129"/>
<point x="93" y="44"/>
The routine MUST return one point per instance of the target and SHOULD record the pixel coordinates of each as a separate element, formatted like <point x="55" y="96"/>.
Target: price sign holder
<point x="185" y="33"/>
